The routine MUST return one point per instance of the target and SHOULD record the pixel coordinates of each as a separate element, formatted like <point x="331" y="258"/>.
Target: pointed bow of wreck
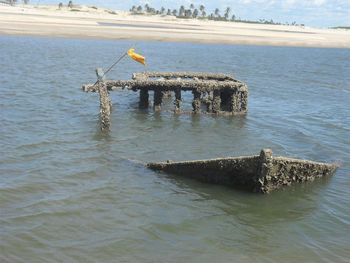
<point x="259" y="173"/>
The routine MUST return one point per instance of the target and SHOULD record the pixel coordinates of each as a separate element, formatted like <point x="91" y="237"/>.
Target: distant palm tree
<point x="195" y="13"/>
<point x="233" y="18"/>
<point x="188" y="13"/>
<point x="168" y="12"/>
<point x="182" y="11"/>
<point x="133" y="9"/>
<point x="162" y="10"/>
<point x="139" y="8"/>
<point x="202" y="8"/>
<point x="70" y="4"/>
<point x="147" y="8"/>
<point x="174" y="12"/>
<point x="217" y="12"/>
<point x="191" y="6"/>
<point x="227" y="12"/>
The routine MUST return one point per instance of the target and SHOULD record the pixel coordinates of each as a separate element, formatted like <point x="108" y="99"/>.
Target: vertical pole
<point x="105" y="106"/>
<point x="144" y="97"/>
<point x="196" y="103"/>
<point x="209" y="101"/>
<point x="158" y="98"/>
<point x="264" y="171"/>
<point x="234" y="102"/>
<point x="177" y="101"/>
<point x="105" y="102"/>
<point x="216" y="101"/>
<point x="244" y="101"/>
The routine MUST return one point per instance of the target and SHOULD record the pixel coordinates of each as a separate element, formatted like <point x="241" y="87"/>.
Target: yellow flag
<point x="135" y="56"/>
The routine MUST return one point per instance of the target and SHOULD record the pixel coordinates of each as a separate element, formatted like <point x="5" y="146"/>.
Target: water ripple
<point x="69" y="193"/>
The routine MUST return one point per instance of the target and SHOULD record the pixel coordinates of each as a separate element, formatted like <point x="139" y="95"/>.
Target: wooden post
<point x="158" y="98"/>
<point x="105" y="106"/>
<point x="216" y="101"/>
<point x="105" y="102"/>
<point x="196" y="103"/>
<point x="144" y="98"/>
<point x="177" y="101"/>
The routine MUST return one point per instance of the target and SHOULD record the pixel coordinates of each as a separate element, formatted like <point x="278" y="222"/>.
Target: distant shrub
<point x="111" y="12"/>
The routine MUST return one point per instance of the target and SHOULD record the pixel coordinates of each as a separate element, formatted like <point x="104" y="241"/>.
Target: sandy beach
<point x="87" y="22"/>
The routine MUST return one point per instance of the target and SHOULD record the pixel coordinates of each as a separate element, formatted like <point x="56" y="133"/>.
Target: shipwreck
<point x="258" y="173"/>
<point x="219" y="93"/>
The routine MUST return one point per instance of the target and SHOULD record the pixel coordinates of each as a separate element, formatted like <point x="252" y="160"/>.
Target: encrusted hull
<point x="259" y="173"/>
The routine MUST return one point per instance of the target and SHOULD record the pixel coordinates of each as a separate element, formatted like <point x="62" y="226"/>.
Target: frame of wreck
<point x="257" y="173"/>
<point x="220" y="93"/>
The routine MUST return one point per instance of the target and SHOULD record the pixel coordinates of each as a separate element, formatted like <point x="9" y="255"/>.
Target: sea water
<point x="69" y="193"/>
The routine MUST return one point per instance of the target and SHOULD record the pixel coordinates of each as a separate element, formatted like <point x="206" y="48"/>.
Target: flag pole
<point x="137" y="57"/>
<point x="115" y="63"/>
<point x="109" y="69"/>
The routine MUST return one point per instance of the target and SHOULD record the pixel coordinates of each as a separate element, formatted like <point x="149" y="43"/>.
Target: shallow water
<point x="69" y="193"/>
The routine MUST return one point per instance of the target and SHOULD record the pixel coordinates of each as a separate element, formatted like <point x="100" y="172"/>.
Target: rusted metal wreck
<point x="259" y="173"/>
<point x="220" y="93"/>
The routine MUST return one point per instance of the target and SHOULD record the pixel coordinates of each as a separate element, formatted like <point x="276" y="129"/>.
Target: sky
<point x="317" y="13"/>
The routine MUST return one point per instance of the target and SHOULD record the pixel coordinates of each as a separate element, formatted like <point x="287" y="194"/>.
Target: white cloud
<point x="318" y="2"/>
<point x="303" y="3"/>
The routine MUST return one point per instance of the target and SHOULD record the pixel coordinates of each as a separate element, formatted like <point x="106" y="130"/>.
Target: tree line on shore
<point x="191" y="12"/>
<point x="182" y="12"/>
<point x="13" y="2"/>
<point x="199" y="12"/>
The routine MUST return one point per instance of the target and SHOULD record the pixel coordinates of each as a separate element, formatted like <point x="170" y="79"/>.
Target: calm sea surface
<point x="69" y="193"/>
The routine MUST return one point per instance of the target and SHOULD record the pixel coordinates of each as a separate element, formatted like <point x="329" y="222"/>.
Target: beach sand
<point x="87" y="22"/>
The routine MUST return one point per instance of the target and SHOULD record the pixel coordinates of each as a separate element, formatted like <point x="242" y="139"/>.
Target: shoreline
<point x="91" y="23"/>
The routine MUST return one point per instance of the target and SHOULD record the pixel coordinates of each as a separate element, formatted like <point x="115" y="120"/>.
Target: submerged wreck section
<point x="220" y="93"/>
<point x="259" y="173"/>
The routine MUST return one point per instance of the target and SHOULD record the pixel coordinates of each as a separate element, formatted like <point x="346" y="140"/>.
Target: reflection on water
<point x="71" y="193"/>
